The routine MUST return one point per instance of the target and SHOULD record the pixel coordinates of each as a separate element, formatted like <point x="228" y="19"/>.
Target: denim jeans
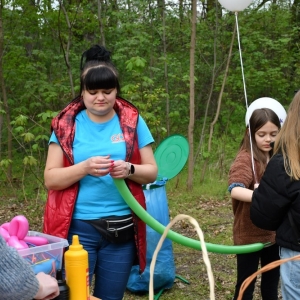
<point x="111" y="263"/>
<point x="290" y="275"/>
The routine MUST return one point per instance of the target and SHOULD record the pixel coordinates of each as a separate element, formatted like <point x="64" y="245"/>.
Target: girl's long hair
<point x="258" y="119"/>
<point x="288" y="140"/>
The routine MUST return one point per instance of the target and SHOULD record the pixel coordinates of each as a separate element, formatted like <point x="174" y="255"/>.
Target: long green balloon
<point x="178" y="238"/>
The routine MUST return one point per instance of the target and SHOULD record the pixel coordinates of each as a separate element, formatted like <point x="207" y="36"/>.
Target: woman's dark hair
<point x="97" y="70"/>
<point x="257" y="120"/>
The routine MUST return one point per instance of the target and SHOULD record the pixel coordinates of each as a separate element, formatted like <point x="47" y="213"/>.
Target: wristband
<point x="131" y="169"/>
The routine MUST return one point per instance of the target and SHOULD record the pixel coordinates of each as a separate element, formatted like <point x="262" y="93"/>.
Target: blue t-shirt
<point x="98" y="196"/>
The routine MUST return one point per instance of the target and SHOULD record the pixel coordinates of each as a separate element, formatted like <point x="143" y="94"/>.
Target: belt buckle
<point x="111" y="229"/>
<point x="107" y="225"/>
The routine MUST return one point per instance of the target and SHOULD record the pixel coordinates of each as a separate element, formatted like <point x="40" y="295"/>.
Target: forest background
<point x="183" y="81"/>
<point x="179" y="63"/>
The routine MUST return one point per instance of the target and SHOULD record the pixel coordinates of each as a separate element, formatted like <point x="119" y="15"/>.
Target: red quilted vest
<point x="60" y="204"/>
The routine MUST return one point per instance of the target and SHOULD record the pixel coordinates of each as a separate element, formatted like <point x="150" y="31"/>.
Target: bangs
<point x="100" y="78"/>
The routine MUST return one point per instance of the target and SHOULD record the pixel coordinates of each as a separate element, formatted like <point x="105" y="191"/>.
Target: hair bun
<point x="95" y="53"/>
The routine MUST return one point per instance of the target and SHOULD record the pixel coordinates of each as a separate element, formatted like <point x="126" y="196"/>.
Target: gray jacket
<point x="17" y="279"/>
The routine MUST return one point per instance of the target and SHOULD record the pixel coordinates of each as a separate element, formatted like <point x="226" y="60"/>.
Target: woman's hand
<point x="98" y="165"/>
<point x="145" y="172"/>
<point x="120" y="169"/>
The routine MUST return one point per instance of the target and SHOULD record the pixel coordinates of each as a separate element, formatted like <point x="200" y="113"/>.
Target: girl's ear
<point x="248" y="131"/>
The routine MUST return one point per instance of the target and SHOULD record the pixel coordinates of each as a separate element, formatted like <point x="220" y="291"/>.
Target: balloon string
<point x="246" y="100"/>
<point x="204" y="254"/>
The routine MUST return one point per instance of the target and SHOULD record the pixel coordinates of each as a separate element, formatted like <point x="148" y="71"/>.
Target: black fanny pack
<point x="115" y="229"/>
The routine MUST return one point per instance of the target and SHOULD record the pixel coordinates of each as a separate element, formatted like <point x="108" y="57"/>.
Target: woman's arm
<point x="146" y="172"/>
<point x="58" y="177"/>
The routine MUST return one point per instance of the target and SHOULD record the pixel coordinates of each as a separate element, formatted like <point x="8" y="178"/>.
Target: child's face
<point x="266" y="135"/>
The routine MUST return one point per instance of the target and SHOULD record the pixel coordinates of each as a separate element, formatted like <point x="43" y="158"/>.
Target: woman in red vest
<point x="95" y="138"/>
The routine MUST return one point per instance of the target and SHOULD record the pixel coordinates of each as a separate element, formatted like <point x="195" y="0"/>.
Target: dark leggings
<point x="247" y="264"/>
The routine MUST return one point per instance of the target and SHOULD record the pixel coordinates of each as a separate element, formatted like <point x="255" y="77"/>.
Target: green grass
<point x="209" y="203"/>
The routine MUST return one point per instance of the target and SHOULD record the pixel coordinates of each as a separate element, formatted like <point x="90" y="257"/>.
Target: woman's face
<point x="266" y="135"/>
<point x="100" y="102"/>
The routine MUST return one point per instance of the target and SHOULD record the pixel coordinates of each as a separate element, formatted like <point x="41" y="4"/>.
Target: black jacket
<point x="276" y="195"/>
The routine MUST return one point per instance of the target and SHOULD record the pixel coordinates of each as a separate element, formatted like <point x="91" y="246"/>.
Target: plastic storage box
<point x="46" y="258"/>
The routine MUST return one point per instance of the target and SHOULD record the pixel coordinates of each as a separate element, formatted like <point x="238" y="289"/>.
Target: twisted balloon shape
<point x="178" y="238"/>
<point x="15" y="233"/>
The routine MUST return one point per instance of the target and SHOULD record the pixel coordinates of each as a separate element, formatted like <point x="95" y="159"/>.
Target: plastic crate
<point x="46" y="258"/>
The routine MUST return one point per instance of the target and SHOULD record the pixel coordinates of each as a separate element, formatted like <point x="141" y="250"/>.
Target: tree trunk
<point x="102" y="41"/>
<point x="295" y="10"/>
<point x="4" y="100"/>
<point x="212" y="5"/>
<point x="113" y="19"/>
<point x="219" y="106"/>
<point x="67" y="50"/>
<point x="1" y="76"/>
<point x="160" y="7"/>
<point x="192" y="96"/>
<point x="166" y="68"/>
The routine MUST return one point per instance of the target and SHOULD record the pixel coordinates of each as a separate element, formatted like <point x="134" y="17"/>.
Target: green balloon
<point x="178" y="238"/>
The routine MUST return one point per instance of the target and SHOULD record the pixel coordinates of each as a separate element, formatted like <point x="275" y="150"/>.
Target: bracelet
<point x="128" y="169"/>
<point x="131" y="169"/>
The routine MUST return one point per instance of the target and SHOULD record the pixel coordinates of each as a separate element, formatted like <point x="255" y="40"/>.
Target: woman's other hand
<point x="145" y="172"/>
<point x="98" y="165"/>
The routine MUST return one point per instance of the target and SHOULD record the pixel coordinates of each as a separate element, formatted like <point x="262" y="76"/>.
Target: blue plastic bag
<point x="164" y="273"/>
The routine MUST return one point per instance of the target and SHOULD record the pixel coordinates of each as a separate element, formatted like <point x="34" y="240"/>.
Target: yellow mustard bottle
<point x="77" y="270"/>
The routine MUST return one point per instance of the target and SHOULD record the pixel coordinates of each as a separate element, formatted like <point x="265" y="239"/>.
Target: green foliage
<point x="38" y="86"/>
<point x="5" y="163"/>
<point x="135" y="64"/>
<point x="42" y="51"/>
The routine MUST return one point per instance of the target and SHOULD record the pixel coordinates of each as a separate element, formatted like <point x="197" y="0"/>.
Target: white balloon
<point x="266" y="102"/>
<point x="235" y="5"/>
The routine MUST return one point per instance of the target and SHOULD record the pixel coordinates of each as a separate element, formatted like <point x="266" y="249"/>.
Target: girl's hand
<point x="98" y="165"/>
